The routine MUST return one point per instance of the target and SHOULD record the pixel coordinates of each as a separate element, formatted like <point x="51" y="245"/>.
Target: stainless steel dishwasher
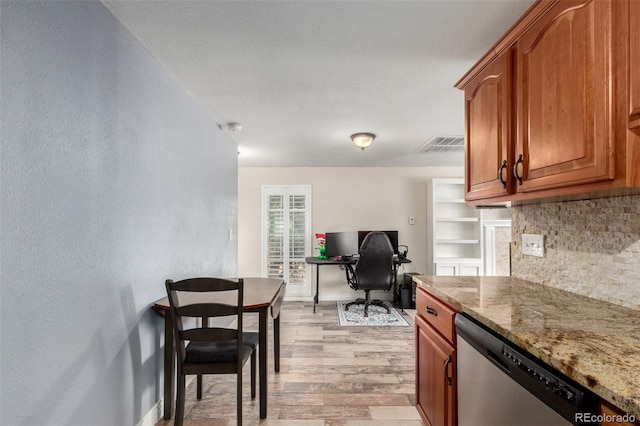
<point x="499" y="384"/>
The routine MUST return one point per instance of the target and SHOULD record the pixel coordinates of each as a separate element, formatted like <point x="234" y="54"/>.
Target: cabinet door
<point x="634" y="64"/>
<point x="488" y="131"/>
<point x="447" y="269"/>
<point x="470" y="269"/>
<point x="564" y="66"/>
<point x="613" y="416"/>
<point x="435" y="376"/>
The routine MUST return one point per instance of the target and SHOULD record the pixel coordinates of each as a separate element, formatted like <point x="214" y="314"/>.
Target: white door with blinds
<point x="286" y="236"/>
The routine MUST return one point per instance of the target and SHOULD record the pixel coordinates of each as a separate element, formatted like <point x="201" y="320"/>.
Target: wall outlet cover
<point x="533" y="245"/>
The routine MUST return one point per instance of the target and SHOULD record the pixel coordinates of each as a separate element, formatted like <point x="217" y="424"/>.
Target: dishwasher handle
<point x="497" y="361"/>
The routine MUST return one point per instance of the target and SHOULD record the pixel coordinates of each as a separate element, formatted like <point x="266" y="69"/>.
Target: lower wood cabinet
<point x="634" y="65"/>
<point x="435" y="361"/>
<point x="613" y="416"/>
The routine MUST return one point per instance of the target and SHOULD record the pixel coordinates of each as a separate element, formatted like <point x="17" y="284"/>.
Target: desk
<point x="352" y="261"/>
<point x="261" y="295"/>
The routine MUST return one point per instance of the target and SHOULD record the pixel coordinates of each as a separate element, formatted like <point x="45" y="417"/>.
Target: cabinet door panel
<point x="564" y="115"/>
<point x="634" y="63"/>
<point x="447" y="269"/>
<point x="469" y="270"/>
<point x="435" y="360"/>
<point x="488" y="110"/>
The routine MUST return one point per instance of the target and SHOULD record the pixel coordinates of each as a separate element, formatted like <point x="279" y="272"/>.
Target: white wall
<point x="344" y="199"/>
<point x="113" y="180"/>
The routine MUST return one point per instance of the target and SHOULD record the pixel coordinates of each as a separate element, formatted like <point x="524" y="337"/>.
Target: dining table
<point x="262" y="296"/>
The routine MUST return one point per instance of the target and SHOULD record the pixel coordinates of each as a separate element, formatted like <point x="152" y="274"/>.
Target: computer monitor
<point x="343" y="244"/>
<point x="393" y="237"/>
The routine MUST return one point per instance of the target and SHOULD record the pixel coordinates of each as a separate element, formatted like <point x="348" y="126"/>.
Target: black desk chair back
<point x="373" y="271"/>
<point x="210" y="350"/>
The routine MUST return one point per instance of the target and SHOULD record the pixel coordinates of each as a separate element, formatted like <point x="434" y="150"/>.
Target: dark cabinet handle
<point x="446" y="369"/>
<point x="502" y="167"/>
<point x="515" y="170"/>
<point x="431" y="311"/>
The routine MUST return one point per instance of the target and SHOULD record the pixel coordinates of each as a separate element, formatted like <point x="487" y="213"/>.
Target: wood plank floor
<point x="329" y="376"/>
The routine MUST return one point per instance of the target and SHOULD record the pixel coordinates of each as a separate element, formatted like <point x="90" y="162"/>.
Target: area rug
<point x="378" y="316"/>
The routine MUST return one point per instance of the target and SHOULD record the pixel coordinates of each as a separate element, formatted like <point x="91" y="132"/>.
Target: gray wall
<point x="112" y="180"/>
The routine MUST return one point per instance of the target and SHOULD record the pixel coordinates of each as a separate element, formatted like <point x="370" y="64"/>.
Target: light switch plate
<point x="533" y="245"/>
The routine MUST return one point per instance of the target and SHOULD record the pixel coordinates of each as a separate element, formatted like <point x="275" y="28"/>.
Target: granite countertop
<point x="595" y="343"/>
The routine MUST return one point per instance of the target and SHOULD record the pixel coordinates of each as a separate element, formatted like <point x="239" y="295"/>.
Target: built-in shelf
<point x="458" y="219"/>
<point x="456" y="241"/>
<point x="454" y="230"/>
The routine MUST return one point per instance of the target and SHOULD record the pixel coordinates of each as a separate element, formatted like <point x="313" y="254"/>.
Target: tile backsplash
<point x="592" y="247"/>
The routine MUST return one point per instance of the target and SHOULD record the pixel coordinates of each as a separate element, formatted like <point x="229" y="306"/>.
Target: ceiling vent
<point x="443" y="144"/>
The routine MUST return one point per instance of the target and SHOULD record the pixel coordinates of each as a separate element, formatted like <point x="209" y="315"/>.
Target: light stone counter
<point x="595" y="343"/>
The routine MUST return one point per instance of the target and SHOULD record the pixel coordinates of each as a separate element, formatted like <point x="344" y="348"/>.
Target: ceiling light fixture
<point x="363" y="140"/>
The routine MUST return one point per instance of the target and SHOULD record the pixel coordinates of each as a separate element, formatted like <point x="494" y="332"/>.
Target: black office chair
<point x="210" y="350"/>
<point x="373" y="270"/>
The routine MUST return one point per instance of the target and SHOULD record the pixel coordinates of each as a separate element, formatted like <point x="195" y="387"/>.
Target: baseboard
<point x="338" y="297"/>
<point x="156" y="413"/>
<point x="298" y="298"/>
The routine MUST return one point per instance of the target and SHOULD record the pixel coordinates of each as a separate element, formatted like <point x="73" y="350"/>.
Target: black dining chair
<point x="373" y="270"/>
<point x="210" y="349"/>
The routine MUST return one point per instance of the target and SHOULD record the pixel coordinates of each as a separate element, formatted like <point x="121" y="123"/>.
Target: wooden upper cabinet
<point x="558" y="98"/>
<point x="488" y="131"/>
<point x="564" y="114"/>
<point x="634" y="64"/>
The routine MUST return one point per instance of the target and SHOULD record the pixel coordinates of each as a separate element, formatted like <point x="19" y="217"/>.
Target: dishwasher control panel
<point x="551" y="382"/>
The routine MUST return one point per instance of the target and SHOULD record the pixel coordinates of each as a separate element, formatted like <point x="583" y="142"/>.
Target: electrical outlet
<point x="533" y="245"/>
<point x="412" y="220"/>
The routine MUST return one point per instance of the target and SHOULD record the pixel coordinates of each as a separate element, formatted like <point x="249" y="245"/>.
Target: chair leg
<point x="239" y="398"/>
<point x="358" y="301"/>
<point x="381" y="304"/>
<point x="180" y="393"/>
<point x="199" y="387"/>
<point x="253" y="375"/>
<point x="367" y="302"/>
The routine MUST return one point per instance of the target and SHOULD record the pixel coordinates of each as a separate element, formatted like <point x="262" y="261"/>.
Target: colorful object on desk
<point x="322" y="245"/>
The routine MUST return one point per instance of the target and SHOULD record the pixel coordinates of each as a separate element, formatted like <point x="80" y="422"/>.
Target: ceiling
<point x="301" y="76"/>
